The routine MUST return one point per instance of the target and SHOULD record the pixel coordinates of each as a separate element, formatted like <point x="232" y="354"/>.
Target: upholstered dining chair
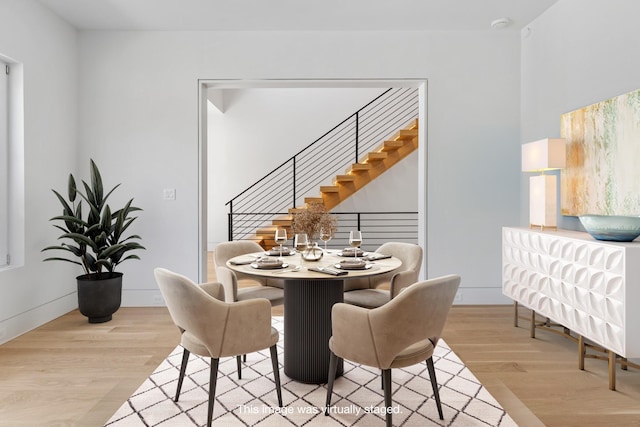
<point x="271" y="289"/>
<point x="401" y="333"/>
<point x="213" y="328"/>
<point x="367" y="292"/>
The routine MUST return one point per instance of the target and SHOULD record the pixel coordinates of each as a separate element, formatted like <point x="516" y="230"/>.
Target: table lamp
<point x="540" y="156"/>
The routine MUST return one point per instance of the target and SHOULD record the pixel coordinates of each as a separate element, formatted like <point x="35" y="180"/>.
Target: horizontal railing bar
<point x="378" y="227"/>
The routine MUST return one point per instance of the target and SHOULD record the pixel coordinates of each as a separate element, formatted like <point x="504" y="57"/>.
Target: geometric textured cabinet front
<point x="588" y="286"/>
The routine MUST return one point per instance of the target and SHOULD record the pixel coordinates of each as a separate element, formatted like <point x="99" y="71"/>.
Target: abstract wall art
<point x="602" y="175"/>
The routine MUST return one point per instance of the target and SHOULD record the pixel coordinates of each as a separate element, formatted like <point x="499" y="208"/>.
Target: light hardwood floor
<point x="70" y="373"/>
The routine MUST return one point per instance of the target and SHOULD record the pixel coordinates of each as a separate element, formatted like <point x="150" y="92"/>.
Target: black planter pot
<point x="99" y="298"/>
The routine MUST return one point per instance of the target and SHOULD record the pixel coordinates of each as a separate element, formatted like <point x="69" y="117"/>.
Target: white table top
<point x="328" y="260"/>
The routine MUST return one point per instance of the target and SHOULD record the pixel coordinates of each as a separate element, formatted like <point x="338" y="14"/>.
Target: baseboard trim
<point x="480" y="296"/>
<point x="30" y="319"/>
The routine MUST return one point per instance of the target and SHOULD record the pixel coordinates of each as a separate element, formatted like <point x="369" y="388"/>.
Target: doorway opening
<point x="219" y="92"/>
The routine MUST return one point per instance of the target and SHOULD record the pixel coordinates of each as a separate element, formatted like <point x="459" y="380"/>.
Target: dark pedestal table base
<point x="307" y="328"/>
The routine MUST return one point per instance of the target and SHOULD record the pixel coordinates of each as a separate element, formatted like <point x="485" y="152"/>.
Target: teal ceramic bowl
<point x="612" y="227"/>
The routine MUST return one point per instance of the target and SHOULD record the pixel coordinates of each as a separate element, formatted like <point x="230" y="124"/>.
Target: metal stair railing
<point x="320" y="161"/>
<point x="377" y="227"/>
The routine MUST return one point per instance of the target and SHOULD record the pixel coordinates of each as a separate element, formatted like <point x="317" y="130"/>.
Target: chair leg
<point x="183" y="369"/>
<point x="333" y="367"/>
<point x="434" y="385"/>
<point x="276" y="372"/>
<point x="244" y="358"/>
<point x="386" y="381"/>
<point x="213" y="379"/>
<point x="239" y="363"/>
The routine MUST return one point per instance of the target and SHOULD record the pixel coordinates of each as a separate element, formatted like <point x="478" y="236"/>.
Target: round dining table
<point x="311" y="288"/>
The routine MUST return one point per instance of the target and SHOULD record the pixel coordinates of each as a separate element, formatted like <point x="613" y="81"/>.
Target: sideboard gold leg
<point x="624" y="365"/>
<point x="532" y="327"/>
<point x="581" y="352"/>
<point x="612" y="370"/>
<point x="515" y="314"/>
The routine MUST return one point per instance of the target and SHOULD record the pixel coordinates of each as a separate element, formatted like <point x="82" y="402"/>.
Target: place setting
<point x="329" y="270"/>
<point x="275" y="251"/>
<point x="355" y="241"/>
<point x="353" y="264"/>
<point x="267" y="263"/>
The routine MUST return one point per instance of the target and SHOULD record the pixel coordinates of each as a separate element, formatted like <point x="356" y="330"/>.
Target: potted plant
<point x="94" y="236"/>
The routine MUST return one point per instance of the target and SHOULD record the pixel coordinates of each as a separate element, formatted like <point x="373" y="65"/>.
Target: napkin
<point x="243" y="261"/>
<point x="353" y="264"/>
<point x="375" y="257"/>
<point x="352" y="251"/>
<point x="328" y="271"/>
<point x="267" y="263"/>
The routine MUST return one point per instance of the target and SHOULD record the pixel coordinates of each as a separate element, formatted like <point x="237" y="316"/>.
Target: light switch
<point x="169" y="194"/>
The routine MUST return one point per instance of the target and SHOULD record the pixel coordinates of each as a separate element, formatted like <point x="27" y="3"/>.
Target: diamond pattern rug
<point x="357" y="399"/>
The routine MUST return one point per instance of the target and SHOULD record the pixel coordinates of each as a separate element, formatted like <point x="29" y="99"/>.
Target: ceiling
<point x="296" y="15"/>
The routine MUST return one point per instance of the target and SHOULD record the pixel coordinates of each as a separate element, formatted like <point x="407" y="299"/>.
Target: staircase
<point x="372" y="165"/>
<point x="271" y="201"/>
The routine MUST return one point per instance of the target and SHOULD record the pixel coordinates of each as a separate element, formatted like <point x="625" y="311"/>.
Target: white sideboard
<point x="589" y="286"/>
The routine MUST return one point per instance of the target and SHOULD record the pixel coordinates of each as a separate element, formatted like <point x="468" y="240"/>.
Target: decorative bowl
<point x="612" y="227"/>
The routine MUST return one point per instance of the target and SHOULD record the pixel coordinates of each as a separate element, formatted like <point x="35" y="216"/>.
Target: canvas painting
<point x="602" y="175"/>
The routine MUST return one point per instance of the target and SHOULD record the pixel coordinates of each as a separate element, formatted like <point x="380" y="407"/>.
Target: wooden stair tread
<point x="345" y="178"/>
<point x="313" y="200"/>
<point x="266" y="231"/>
<point x="296" y="210"/>
<point x="376" y="156"/>
<point x="392" y="145"/>
<point x="406" y="134"/>
<point x="284" y="222"/>
<point x="360" y="167"/>
<point x="329" y="189"/>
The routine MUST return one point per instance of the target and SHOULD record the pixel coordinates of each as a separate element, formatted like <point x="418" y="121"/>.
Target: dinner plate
<point x="273" y="266"/>
<point x="349" y="267"/>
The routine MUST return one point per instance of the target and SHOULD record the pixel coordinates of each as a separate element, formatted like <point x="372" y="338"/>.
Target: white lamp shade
<point x="545" y="154"/>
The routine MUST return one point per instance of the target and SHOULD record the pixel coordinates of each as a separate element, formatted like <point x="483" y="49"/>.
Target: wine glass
<point x="325" y="236"/>
<point x="355" y="240"/>
<point x="300" y="241"/>
<point x="281" y="238"/>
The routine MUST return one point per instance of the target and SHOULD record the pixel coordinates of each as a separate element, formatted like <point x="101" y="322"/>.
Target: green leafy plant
<point x="97" y="240"/>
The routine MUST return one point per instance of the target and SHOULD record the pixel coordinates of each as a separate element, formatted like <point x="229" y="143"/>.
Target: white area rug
<point x="357" y="398"/>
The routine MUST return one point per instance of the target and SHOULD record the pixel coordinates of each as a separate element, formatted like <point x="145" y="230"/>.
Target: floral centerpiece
<point x="313" y="220"/>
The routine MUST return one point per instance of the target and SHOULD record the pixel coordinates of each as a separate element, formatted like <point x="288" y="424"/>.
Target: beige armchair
<point x="271" y="289"/>
<point x="366" y="292"/>
<point x="215" y="329"/>
<point x="403" y="332"/>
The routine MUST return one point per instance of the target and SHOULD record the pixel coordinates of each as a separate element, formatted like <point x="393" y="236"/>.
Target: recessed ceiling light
<point x="500" y="23"/>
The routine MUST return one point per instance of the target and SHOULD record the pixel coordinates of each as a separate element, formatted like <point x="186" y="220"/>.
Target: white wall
<point x="138" y="104"/>
<point x="577" y="53"/>
<point x="260" y="129"/>
<point x="138" y="99"/>
<point x="36" y="292"/>
<point x="473" y="123"/>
